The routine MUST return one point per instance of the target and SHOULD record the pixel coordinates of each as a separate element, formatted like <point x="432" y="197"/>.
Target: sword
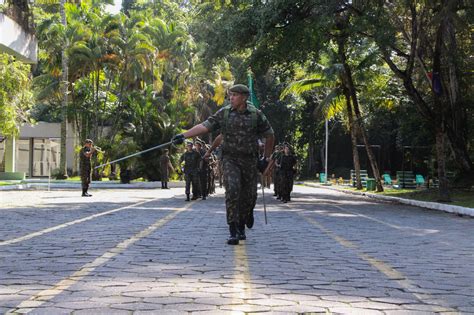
<point x="263" y="198"/>
<point x="135" y="154"/>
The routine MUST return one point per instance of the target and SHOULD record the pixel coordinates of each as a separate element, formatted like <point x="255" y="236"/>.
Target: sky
<point x="114" y="9"/>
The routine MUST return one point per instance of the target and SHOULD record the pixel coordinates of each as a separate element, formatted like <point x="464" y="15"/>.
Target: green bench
<point x="363" y="178"/>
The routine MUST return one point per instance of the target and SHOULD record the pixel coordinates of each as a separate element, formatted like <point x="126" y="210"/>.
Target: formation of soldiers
<point x="200" y="170"/>
<point x="247" y="140"/>
<point x="201" y="167"/>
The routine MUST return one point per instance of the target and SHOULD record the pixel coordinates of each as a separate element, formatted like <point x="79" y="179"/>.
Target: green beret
<point x="240" y="88"/>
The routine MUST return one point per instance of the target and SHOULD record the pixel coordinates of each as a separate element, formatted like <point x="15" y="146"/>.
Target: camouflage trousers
<point x="85" y="177"/>
<point x="165" y="174"/>
<point x="286" y="184"/>
<point x="192" y="177"/>
<point x="203" y="174"/>
<point x="240" y="181"/>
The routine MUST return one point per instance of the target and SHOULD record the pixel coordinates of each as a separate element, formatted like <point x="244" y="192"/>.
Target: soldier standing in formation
<point x="165" y="168"/>
<point x="191" y="159"/>
<point x="203" y="169"/>
<point x="85" y="166"/>
<point x="241" y="125"/>
<point x="287" y="164"/>
<point x="274" y="161"/>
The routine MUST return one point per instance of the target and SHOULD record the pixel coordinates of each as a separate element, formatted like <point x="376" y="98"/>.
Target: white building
<point x="17" y="38"/>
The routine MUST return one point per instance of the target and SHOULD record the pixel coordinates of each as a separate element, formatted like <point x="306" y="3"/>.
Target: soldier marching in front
<point x="85" y="166"/>
<point x="241" y="125"/>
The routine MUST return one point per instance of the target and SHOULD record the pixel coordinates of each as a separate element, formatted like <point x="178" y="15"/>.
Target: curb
<point x="422" y="204"/>
<point x="41" y="185"/>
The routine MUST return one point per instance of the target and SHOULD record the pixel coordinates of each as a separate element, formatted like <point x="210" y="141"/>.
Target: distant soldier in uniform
<point x="85" y="166"/>
<point x="287" y="171"/>
<point x="274" y="166"/>
<point x="241" y="125"/>
<point x="191" y="159"/>
<point x="217" y="147"/>
<point x="203" y="169"/>
<point x="165" y="168"/>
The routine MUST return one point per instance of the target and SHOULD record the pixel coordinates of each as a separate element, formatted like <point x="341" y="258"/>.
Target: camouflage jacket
<point x="191" y="161"/>
<point x="240" y="134"/>
<point x="84" y="161"/>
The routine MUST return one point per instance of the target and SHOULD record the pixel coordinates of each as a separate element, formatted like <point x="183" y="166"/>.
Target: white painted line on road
<point x="383" y="267"/>
<point x="48" y="294"/>
<point x="61" y="226"/>
<point x="397" y="227"/>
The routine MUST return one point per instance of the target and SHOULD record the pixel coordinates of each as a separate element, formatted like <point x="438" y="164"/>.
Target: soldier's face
<point x="237" y="99"/>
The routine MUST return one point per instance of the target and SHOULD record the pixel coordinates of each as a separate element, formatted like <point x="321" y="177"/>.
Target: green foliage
<point x="16" y="97"/>
<point x="165" y="65"/>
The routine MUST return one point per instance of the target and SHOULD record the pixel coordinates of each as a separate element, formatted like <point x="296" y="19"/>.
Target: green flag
<point x="253" y="97"/>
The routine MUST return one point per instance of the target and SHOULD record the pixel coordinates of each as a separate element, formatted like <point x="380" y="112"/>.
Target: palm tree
<point x="334" y="102"/>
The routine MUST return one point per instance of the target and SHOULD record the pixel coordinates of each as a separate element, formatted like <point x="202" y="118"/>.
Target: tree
<point x="16" y="97"/>
<point x="419" y="42"/>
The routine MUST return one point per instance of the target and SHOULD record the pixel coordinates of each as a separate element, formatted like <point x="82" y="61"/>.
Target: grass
<point x="6" y="184"/>
<point x="463" y="198"/>
<point x="459" y="197"/>
<point x="78" y="179"/>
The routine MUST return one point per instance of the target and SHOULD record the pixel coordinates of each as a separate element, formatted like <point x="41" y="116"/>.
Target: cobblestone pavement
<point x="149" y="252"/>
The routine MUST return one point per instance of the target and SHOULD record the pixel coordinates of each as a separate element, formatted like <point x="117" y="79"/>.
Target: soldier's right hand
<point x="178" y="139"/>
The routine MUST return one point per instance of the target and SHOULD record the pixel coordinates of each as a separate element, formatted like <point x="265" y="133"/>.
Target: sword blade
<point x="264" y="204"/>
<point x="135" y="154"/>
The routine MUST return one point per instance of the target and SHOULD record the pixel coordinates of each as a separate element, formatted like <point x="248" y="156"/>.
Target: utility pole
<point x="326" y="154"/>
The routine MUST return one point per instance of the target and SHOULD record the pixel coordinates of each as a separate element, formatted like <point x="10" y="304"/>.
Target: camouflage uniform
<point x="287" y="164"/>
<point x="276" y="173"/>
<point x="191" y="171"/>
<point x="85" y="167"/>
<point x="203" y="174"/>
<point x="239" y="158"/>
<point x="165" y="167"/>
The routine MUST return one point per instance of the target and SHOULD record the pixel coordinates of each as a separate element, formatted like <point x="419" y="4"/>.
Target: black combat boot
<point x="84" y="192"/>
<point x="249" y="221"/>
<point x="233" y="240"/>
<point x="187" y="197"/>
<point x="241" y="232"/>
<point x="162" y="185"/>
<point x="87" y="194"/>
<point x="166" y="185"/>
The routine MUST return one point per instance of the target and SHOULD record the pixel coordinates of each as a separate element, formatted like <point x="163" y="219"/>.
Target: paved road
<point x="149" y="252"/>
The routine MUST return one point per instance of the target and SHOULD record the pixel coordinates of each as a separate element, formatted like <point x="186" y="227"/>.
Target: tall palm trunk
<point x="441" y="136"/>
<point x="64" y="61"/>
<point x="353" y="132"/>
<point x="349" y="83"/>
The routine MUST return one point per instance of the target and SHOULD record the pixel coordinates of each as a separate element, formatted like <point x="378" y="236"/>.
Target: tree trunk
<point x="353" y="132"/>
<point x="349" y="82"/>
<point x="441" y="157"/>
<point x="457" y="122"/>
<point x="64" y="61"/>
<point x="439" y="106"/>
